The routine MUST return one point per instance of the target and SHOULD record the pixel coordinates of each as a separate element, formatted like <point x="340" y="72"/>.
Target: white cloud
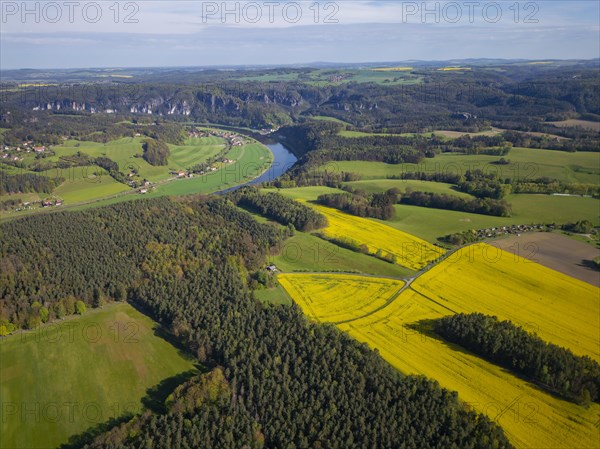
<point x="191" y="17"/>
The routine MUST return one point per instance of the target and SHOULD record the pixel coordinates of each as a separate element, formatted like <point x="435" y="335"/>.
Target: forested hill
<point x="509" y="96"/>
<point x="286" y="382"/>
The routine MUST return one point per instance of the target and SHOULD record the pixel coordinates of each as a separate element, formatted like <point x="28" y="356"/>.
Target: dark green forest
<point x="156" y="152"/>
<point x="279" y="208"/>
<point x="555" y="368"/>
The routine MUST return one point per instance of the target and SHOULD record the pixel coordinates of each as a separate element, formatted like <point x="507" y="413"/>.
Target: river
<point x="283" y="160"/>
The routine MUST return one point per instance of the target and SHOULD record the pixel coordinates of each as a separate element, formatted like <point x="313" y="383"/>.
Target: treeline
<point x="381" y="205"/>
<point x="521" y="139"/>
<point x="156" y="152"/>
<point x="10" y="203"/>
<point x="495" y="145"/>
<point x="579" y="227"/>
<point x="555" y="368"/>
<point x="484" y="206"/>
<point x="309" y="169"/>
<point x="277" y="207"/>
<point x="549" y="185"/>
<point x="293" y="383"/>
<point x="299" y="176"/>
<point x="377" y="205"/>
<point x="27" y="183"/>
<point x="481" y="185"/>
<point x="204" y="404"/>
<point x="447" y="177"/>
<point x="46" y="128"/>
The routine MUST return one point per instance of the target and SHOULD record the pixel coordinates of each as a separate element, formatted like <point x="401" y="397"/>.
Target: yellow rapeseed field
<point x="410" y="251"/>
<point x="480" y="278"/>
<point x="531" y="418"/>
<point x="453" y="69"/>
<point x="339" y="297"/>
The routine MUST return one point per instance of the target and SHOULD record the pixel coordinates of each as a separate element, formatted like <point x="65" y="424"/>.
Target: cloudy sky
<point x="151" y="33"/>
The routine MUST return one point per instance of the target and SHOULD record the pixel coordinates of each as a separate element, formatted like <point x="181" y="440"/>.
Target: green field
<point x="307" y="253"/>
<point x="86" y="187"/>
<point x="87" y="183"/>
<point x="306" y="193"/>
<point x="268" y="77"/>
<point x="525" y="164"/>
<point x="64" y="378"/>
<point x="429" y="224"/>
<point x="251" y="160"/>
<point x="325" y="118"/>
<point x="389" y="78"/>
<point x="273" y="296"/>
<point x="381" y="185"/>
<point x="328" y="77"/>
<point x="345" y="133"/>
<point x="124" y="150"/>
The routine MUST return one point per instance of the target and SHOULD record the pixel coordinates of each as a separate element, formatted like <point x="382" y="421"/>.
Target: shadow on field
<point x="157" y="395"/>
<point x="590" y="265"/>
<point x="154" y="401"/>
<point x="163" y="333"/>
<point x="81" y="439"/>
<point x="425" y="327"/>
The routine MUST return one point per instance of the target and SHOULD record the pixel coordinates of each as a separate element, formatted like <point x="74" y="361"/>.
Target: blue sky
<point x="198" y="33"/>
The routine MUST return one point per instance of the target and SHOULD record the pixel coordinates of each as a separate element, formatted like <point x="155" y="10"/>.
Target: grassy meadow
<point x="86" y="187"/>
<point x="305" y="252"/>
<point x="87" y="183"/>
<point x="66" y="377"/>
<point x="381" y="185"/>
<point x="251" y="160"/>
<point x="123" y="151"/>
<point x="525" y="163"/>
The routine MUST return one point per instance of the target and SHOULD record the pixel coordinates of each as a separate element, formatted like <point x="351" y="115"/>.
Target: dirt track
<point x="555" y="251"/>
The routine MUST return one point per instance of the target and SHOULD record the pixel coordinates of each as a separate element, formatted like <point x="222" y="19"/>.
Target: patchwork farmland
<point x="483" y="279"/>
<point x="404" y="249"/>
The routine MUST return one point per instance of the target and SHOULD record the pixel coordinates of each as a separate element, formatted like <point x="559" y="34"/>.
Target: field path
<point x="409" y="281"/>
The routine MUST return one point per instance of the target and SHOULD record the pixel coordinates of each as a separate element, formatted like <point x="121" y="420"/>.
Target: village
<point x="15" y="153"/>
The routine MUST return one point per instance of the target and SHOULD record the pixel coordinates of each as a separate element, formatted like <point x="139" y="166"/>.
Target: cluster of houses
<point x="14" y="153"/>
<point x="52" y="202"/>
<point x="187" y="174"/>
<point x="184" y="174"/>
<point x="511" y="230"/>
<point x="339" y="77"/>
<point x="233" y="139"/>
<point x="146" y="187"/>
